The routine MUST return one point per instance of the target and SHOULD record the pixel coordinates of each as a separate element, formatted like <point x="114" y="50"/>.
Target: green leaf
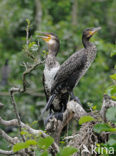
<point x="22" y="145"/>
<point x="34" y="122"/>
<point x="112" y="140"/>
<point x="45" y="143"/>
<point x="45" y="153"/>
<point x="113" y="76"/>
<point x="19" y="146"/>
<point x="24" y="133"/>
<point x="28" y="21"/>
<point x="111" y="114"/>
<point x="98" y="128"/>
<point x="68" y="151"/>
<point x="111" y="91"/>
<point x="85" y="119"/>
<point x="30" y="142"/>
<point x="113" y="53"/>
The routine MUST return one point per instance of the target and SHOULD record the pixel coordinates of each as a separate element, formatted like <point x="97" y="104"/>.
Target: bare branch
<point x="6" y="152"/>
<point x="28" y="91"/>
<point x="32" y="131"/>
<point x="29" y="70"/>
<point x="8" y="138"/>
<point x="54" y="127"/>
<point x="12" y="91"/>
<point x="13" y="122"/>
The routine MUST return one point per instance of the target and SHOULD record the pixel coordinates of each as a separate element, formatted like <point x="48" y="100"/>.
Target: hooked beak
<point x="45" y="36"/>
<point x="94" y="30"/>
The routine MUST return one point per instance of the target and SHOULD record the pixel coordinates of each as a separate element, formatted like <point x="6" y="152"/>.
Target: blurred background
<point x="67" y="19"/>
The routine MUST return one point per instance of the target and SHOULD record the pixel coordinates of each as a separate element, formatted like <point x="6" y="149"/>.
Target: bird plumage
<point x="51" y="64"/>
<point x="73" y="69"/>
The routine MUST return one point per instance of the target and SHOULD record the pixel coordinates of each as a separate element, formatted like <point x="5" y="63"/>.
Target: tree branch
<point x="26" y="72"/>
<point x="54" y="127"/>
<point x="12" y="91"/>
<point x="8" y="138"/>
<point x="6" y="152"/>
<point x="32" y="131"/>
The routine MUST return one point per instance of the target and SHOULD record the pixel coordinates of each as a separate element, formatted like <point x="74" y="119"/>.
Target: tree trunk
<point x="74" y="13"/>
<point x="38" y="14"/>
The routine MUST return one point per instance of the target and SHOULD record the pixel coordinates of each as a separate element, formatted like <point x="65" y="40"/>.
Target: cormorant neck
<point x="85" y="41"/>
<point x="52" y="52"/>
<point x="53" y="49"/>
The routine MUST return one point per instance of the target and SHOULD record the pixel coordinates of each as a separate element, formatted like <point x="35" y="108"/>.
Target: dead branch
<point x="54" y="127"/>
<point x="32" y="131"/>
<point x="6" y="152"/>
<point x="12" y="91"/>
<point x="28" y="71"/>
<point x="28" y="92"/>
<point x="20" y="153"/>
<point x="8" y="138"/>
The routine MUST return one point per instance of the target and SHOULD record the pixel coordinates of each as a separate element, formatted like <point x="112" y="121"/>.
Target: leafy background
<point x="67" y="19"/>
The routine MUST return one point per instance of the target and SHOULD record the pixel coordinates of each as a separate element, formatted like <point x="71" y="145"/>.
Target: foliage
<point x="22" y="145"/>
<point x="67" y="151"/>
<point x="57" y="18"/>
<point x="98" y="128"/>
<point x="111" y="114"/>
<point x="41" y="145"/>
<point x="85" y="119"/>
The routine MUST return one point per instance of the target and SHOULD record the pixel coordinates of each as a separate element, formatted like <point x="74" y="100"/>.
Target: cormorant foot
<point x="59" y="116"/>
<point x="75" y="98"/>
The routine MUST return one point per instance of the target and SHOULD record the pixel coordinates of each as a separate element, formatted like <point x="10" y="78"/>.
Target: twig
<point x="28" y="91"/>
<point x="26" y="72"/>
<point x="6" y="152"/>
<point x="12" y="91"/>
<point x="27" y="41"/>
<point x="71" y="137"/>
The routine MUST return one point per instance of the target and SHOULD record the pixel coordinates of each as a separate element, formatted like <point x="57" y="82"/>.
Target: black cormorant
<point x="72" y="70"/>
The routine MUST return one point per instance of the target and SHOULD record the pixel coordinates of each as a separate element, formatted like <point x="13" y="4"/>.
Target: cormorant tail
<point x="49" y="103"/>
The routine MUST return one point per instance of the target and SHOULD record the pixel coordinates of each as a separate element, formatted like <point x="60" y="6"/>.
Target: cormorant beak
<point x="46" y="37"/>
<point x="93" y="31"/>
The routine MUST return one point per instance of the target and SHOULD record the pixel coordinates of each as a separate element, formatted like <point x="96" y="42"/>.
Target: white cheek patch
<point x="51" y="41"/>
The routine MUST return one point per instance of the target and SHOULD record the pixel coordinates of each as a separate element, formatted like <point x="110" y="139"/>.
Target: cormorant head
<point x="52" y="41"/>
<point x="89" y="32"/>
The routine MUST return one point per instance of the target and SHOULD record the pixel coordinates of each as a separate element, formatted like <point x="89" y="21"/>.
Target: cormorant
<point x="72" y="70"/>
<point x="51" y="64"/>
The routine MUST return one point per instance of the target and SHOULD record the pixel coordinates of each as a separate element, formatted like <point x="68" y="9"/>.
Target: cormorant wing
<point x="70" y="69"/>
